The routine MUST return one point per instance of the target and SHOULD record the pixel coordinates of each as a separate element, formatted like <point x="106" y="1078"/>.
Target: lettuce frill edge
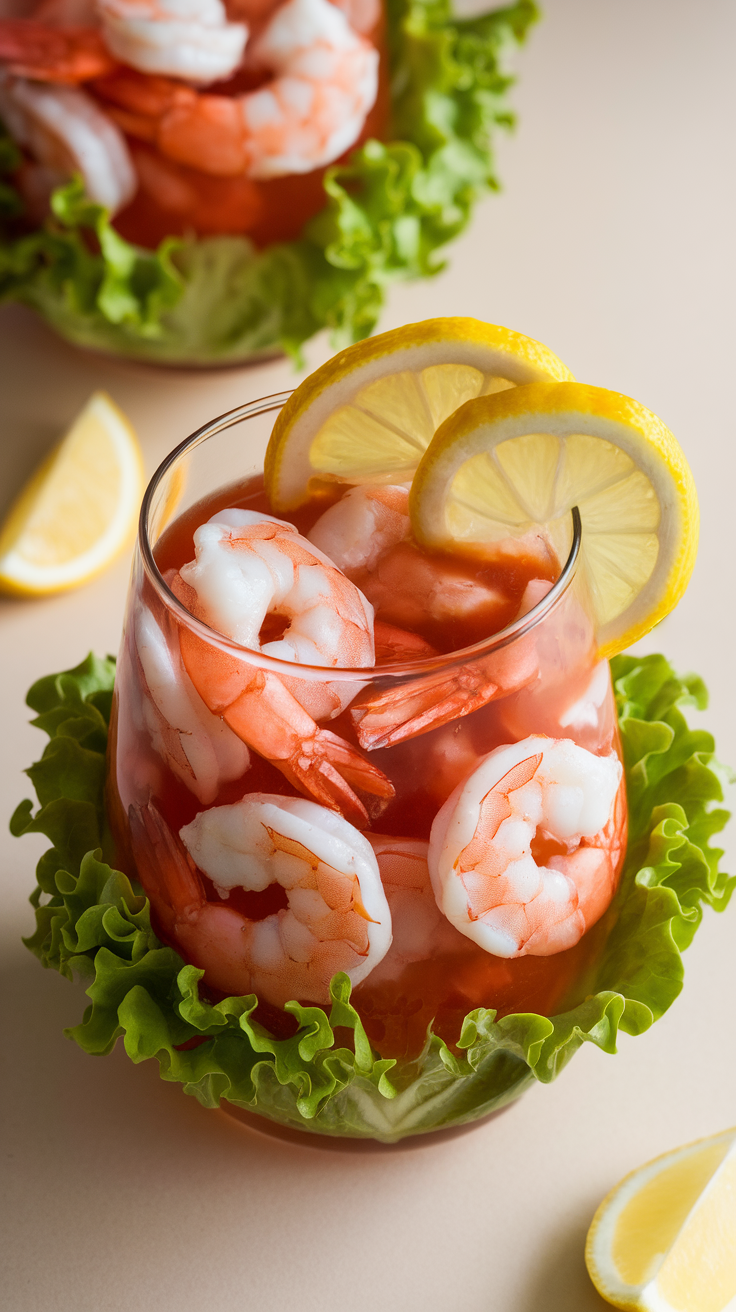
<point x="91" y="922"/>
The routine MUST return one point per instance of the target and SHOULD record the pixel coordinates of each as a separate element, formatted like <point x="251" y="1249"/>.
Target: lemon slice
<point x="664" y="1239"/>
<point x="79" y="509"/>
<point x="368" y="414"/>
<point x="504" y="465"/>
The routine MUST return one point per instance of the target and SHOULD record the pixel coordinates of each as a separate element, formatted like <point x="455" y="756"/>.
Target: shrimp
<point x="394" y="644"/>
<point x="248" y="567"/>
<point x="354" y="533"/>
<point x="45" y="53"/>
<point x="416" y="705"/>
<point x="409" y="990"/>
<point x="556" y="704"/>
<point x="524" y="856"/>
<point x="365" y="523"/>
<point x="420" y="930"/>
<point x="367" y="534"/>
<point x="190" y="39"/>
<point x="324" y="83"/>
<point x="363" y="15"/>
<point x="313" y="109"/>
<point x="67" y="133"/>
<point x="199" y="748"/>
<point x="336" y="916"/>
<point x="438" y="595"/>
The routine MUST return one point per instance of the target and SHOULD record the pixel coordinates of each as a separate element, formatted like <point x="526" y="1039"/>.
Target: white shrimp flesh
<point x="249" y="566"/>
<point x="362" y="525"/>
<point x="66" y="132"/>
<point x="190" y="39"/>
<point x="199" y="748"/>
<point x="542" y="792"/>
<point x="420" y="930"/>
<point x="336" y="918"/>
<point x="326" y="82"/>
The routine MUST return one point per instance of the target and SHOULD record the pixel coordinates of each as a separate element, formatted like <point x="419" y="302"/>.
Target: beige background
<point x="612" y="243"/>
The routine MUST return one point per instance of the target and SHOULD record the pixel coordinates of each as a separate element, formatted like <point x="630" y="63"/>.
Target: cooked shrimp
<point x="367" y="534"/>
<point x="408" y="991"/>
<point x="336" y="916"/>
<point x="436" y="595"/>
<point x="394" y="644"/>
<point x="65" y="131"/>
<point x="557" y="704"/>
<point x="524" y="856"/>
<point x="325" y="82"/>
<point x="190" y="39"/>
<point x="420" y="930"/>
<point x="199" y="748"/>
<point x="249" y="566"/>
<point x="412" y="707"/>
<point x="67" y="13"/>
<point x="45" y="53"/>
<point x="416" y="705"/>
<point x="362" y="15"/>
<point x="363" y="525"/>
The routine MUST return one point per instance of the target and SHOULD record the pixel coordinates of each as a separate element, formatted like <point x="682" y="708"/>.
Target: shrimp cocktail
<point x="192" y="181"/>
<point x="365" y="759"/>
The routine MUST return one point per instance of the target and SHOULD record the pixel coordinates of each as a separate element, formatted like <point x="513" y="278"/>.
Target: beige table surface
<point x="613" y="244"/>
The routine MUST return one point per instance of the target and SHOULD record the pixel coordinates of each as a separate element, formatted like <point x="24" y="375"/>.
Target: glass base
<point x="332" y="1143"/>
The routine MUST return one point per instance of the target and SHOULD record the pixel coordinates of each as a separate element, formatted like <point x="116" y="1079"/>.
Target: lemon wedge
<point x="504" y="465"/>
<point x="664" y="1240"/>
<point x="368" y="414"/>
<point x="78" y="510"/>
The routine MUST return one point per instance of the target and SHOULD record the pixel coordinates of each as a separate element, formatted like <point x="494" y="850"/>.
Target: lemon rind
<point x="20" y="577"/>
<point x="561" y="409"/>
<point x="489" y="347"/>
<point x="599" y="1239"/>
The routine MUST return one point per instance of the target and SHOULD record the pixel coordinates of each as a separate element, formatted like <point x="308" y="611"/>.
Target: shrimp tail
<point x="314" y="775"/>
<point x="405" y="712"/>
<point x="163" y="866"/>
<point x="269" y="719"/>
<point x="326" y="766"/>
<point x="394" y="644"/>
<point x="354" y="767"/>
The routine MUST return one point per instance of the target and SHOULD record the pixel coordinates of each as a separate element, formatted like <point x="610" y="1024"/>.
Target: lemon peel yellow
<point x="502" y="465"/>
<point x="664" y="1240"/>
<point x="78" y="510"/>
<point x="368" y="414"/>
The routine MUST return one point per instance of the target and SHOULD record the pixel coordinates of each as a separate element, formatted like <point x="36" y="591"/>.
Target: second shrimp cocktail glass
<point x="319" y="725"/>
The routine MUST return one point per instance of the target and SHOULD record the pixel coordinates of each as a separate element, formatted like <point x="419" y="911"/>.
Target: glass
<point x="428" y="723"/>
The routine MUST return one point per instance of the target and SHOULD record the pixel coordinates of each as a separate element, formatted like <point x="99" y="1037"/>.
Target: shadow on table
<point x="60" y="1105"/>
<point x="50" y="1081"/>
<point x="560" y="1282"/>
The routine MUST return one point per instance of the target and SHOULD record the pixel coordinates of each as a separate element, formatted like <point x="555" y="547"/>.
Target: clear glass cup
<point x="425" y="726"/>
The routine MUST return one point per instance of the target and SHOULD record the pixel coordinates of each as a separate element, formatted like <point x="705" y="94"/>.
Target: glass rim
<point x="294" y="669"/>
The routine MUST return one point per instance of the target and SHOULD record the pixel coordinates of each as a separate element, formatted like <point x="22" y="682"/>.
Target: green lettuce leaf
<point x="93" y="923"/>
<point x="388" y="211"/>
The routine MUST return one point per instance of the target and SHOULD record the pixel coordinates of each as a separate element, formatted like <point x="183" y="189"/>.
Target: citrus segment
<point x="504" y="465"/>
<point x="79" y="508"/>
<point x="664" y="1240"/>
<point x="368" y="414"/>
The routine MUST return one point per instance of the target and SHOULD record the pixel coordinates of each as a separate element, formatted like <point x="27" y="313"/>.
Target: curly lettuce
<point x="92" y="922"/>
<point x="387" y="213"/>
